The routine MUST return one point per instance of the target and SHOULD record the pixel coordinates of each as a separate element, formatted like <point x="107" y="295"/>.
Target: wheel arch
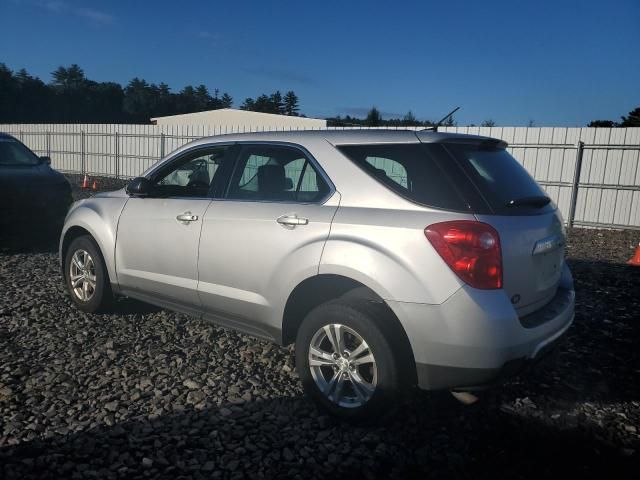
<point x="316" y="290"/>
<point x="77" y="231"/>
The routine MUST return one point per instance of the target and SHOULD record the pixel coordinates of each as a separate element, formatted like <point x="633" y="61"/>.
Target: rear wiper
<point x="537" y="201"/>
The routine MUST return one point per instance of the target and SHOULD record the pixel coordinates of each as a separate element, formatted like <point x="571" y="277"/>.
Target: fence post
<point x="21" y="135"/>
<point x="48" y="144"/>
<point x="82" y="155"/>
<point x="162" y="145"/>
<point x="576" y="183"/>
<point x="117" y="155"/>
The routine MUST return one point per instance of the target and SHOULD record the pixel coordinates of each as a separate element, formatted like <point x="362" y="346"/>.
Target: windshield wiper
<point x="538" y="201"/>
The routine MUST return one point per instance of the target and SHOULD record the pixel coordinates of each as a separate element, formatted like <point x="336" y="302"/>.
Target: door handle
<point x="187" y="217"/>
<point x="292" y="221"/>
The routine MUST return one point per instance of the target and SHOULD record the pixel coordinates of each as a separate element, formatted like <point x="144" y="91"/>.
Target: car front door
<point x="264" y="237"/>
<point x="158" y="235"/>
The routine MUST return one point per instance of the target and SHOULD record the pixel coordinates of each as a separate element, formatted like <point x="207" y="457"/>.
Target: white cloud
<point x="60" y="7"/>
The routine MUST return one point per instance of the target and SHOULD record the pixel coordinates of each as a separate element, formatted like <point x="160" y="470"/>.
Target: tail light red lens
<point x="471" y="249"/>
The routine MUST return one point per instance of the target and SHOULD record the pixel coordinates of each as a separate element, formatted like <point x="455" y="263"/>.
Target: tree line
<point x="374" y="119"/>
<point x="71" y="97"/>
<point x="632" y="119"/>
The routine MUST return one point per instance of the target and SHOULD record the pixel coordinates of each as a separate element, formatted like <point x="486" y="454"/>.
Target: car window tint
<point x="390" y="168"/>
<point x="14" y="153"/>
<point x="410" y="170"/>
<point x="273" y="173"/>
<point x="192" y="175"/>
<point x="499" y="177"/>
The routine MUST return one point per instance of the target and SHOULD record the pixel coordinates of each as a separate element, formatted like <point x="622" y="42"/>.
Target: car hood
<point x="30" y="176"/>
<point x="114" y="194"/>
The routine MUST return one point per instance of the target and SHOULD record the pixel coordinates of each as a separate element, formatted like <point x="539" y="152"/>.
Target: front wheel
<point x="345" y="359"/>
<point x="86" y="275"/>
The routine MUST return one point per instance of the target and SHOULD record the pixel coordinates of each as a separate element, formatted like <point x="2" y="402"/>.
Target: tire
<point x="98" y="295"/>
<point x="368" y="389"/>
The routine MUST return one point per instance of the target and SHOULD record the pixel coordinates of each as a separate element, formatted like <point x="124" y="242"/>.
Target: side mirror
<point x="139" y="186"/>
<point x="46" y="160"/>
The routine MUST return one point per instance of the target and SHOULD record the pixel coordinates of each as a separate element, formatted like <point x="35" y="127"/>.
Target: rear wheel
<point x="346" y="361"/>
<point x="86" y="275"/>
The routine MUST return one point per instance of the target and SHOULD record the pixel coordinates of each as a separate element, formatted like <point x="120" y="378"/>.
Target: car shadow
<point x="430" y="436"/>
<point x="29" y="240"/>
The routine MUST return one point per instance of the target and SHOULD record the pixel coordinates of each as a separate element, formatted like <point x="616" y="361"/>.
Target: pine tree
<point x="276" y="103"/>
<point x="409" y="119"/>
<point x="226" y="101"/>
<point x="291" y="104"/>
<point x="374" y="119"/>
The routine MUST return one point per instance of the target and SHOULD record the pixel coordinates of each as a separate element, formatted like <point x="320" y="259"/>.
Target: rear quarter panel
<point x="387" y="251"/>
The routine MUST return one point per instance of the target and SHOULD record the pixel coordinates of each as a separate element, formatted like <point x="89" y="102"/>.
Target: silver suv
<point x="390" y="258"/>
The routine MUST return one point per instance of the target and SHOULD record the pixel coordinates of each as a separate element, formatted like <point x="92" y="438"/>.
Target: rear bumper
<point x="433" y="377"/>
<point x="476" y="338"/>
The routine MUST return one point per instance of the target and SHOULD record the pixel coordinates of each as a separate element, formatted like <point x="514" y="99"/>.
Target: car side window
<point x="276" y="174"/>
<point x="389" y="168"/>
<point x="192" y="175"/>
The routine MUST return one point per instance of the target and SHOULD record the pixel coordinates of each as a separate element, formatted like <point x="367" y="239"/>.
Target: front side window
<point x="13" y="153"/>
<point x="277" y="174"/>
<point x="192" y="175"/>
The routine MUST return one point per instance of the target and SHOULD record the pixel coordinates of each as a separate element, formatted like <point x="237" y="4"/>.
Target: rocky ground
<point x="147" y="393"/>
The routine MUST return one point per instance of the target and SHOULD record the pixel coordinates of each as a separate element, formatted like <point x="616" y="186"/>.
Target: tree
<point x="226" y="101"/>
<point x="71" y="78"/>
<point x="409" y="119"/>
<point x="291" y="103"/>
<point x="374" y="119"/>
<point x="632" y="119"/>
<point x="248" y="104"/>
<point x="138" y="97"/>
<point x="72" y="97"/>
<point x="277" y="106"/>
<point x="488" y="123"/>
<point x="602" y="123"/>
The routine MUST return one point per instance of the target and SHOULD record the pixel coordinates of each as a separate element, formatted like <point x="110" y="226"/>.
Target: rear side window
<point x="276" y="174"/>
<point x="499" y="177"/>
<point x="411" y="171"/>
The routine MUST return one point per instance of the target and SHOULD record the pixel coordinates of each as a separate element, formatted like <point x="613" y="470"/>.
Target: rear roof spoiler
<point x="430" y="136"/>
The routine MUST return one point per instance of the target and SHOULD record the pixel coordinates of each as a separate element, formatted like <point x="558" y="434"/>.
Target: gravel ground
<point x="145" y="392"/>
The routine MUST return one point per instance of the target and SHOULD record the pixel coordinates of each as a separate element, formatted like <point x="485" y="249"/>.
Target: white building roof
<point x="240" y="118"/>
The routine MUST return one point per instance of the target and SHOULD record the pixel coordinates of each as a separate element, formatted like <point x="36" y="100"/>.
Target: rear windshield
<point x="410" y="170"/>
<point x="502" y="181"/>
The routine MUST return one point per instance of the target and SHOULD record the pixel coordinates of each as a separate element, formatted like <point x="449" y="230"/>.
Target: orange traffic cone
<point x="94" y="187"/>
<point x="635" y="260"/>
<point x="85" y="182"/>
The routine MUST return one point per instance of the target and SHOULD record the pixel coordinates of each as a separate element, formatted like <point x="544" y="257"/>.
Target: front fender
<point x="99" y="217"/>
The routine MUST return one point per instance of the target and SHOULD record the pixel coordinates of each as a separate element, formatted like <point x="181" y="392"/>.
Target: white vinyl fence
<point x="591" y="173"/>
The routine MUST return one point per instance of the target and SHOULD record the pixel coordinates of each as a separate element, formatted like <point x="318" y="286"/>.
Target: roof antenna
<point x="435" y="127"/>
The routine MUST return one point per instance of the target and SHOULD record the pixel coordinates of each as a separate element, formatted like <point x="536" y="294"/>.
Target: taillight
<point x="471" y="249"/>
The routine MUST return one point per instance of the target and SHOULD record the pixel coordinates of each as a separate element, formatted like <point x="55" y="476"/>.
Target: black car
<point x="33" y="196"/>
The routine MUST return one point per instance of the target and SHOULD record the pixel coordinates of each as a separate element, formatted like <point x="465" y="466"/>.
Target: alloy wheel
<point x="82" y="273"/>
<point x="342" y="365"/>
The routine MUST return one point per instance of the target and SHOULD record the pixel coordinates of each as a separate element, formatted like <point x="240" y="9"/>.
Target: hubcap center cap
<point x="343" y="364"/>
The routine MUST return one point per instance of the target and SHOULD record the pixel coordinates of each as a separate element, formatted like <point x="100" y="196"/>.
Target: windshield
<point x="13" y="152"/>
<point x="503" y="182"/>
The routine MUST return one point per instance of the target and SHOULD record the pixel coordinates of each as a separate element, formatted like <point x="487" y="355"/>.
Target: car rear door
<point x="264" y="237"/>
<point x="158" y="235"/>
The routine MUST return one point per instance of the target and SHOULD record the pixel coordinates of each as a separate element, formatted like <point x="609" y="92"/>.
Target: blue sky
<point x="554" y="62"/>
